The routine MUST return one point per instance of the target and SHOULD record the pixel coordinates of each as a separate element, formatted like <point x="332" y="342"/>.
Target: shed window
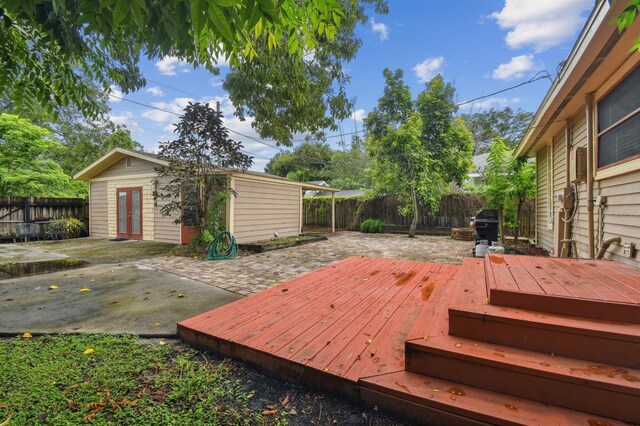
<point x="619" y="122"/>
<point x="127" y="162"/>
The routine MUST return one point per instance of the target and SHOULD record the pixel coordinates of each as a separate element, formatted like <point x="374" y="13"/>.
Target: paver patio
<point x="253" y="273"/>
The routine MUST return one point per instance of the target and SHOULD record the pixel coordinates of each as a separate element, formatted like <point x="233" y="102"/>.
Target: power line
<point x="172" y="88"/>
<point x="532" y="80"/>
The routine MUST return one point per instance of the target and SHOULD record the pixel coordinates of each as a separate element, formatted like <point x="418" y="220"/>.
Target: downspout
<point x="590" y="145"/>
<point x="605" y="245"/>
<point x="567" y="176"/>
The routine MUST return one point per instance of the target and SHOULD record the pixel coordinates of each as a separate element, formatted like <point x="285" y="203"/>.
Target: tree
<point x="507" y="124"/>
<point x="51" y="49"/>
<point x="348" y="168"/>
<point x="626" y="18"/>
<point x="509" y="182"/>
<point x="417" y="149"/>
<point x="196" y="159"/>
<point x="26" y="165"/>
<point x="308" y="161"/>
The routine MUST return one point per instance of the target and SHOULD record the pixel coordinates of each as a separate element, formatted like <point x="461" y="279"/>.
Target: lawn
<point x="75" y="379"/>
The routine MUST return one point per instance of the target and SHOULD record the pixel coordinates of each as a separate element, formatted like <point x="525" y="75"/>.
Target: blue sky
<point x="481" y="46"/>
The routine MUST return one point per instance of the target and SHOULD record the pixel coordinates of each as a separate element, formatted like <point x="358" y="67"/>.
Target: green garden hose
<point x="223" y="247"/>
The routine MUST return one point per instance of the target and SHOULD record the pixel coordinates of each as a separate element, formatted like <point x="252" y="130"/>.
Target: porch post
<point x="333" y="211"/>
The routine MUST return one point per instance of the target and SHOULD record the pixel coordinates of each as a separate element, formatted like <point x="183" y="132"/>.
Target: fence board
<point x="38" y="210"/>
<point x="455" y="212"/>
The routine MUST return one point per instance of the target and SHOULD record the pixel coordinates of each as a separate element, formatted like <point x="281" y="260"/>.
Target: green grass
<point x="124" y="381"/>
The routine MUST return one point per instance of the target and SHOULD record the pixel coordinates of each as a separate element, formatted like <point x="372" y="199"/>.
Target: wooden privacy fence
<point x="455" y="212"/>
<point x="39" y="211"/>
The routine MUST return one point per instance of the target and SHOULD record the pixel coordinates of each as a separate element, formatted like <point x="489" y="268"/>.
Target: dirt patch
<point x="21" y="269"/>
<point x="304" y="406"/>
<point x="98" y="250"/>
<point x="524" y="247"/>
<point x="280" y="243"/>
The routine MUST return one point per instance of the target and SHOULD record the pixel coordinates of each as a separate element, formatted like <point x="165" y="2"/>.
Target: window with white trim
<point x="619" y="122"/>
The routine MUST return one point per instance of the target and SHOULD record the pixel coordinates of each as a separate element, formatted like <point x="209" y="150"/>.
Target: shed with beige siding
<point x="121" y="202"/>
<point x="585" y="137"/>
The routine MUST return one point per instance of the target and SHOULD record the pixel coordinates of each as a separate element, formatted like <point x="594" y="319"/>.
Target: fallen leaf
<point x="285" y="401"/>
<point x="181" y="295"/>
<point x="88" y="351"/>
<point x="157" y="324"/>
<point x="27" y="335"/>
<point x="53" y="287"/>
<point x="85" y="289"/>
<point x="458" y="345"/>
<point x="333" y="306"/>
<point x="269" y="412"/>
<point x="162" y="343"/>
<point x="93" y="280"/>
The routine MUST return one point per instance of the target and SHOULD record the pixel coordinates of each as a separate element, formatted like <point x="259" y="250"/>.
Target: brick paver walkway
<point x="253" y="273"/>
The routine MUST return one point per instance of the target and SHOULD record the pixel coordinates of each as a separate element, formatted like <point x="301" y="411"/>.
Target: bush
<point x="69" y="226"/>
<point x="371" y="226"/>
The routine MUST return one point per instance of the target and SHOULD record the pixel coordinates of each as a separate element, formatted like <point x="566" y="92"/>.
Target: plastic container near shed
<point x="496" y="250"/>
<point x="481" y="250"/>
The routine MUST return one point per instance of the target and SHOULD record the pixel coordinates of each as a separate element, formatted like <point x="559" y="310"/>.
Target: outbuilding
<point x="121" y="202"/>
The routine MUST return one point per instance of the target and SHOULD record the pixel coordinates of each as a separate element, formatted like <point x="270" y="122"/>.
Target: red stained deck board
<point x="499" y="274"/>
<point x="576" y="284"/>
<point x="521" y="275"/>
<point x="322" y="295"/>
<point x="319" y="351"/>
<point x="291" y="329"/>
<point x="623" y="280"/>
<point x="373" y="345"/>
<point x="296" y="291"/>
<point x="547" y="283"/>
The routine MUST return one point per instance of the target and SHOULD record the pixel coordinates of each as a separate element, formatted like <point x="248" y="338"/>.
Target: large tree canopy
<point x="49" y="49"/>
<point x="26" y="165"/>
<point x="507" y="124"/>
<point x="417" y="148"/>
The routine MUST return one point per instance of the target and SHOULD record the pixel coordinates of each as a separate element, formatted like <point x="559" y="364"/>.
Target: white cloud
<point x="381" y="29"/>
<point x="170" y="65"/>
<point x="489" y="103"/>
<point x="155" y="91"/>
<point x="127" y="119"/>
<point x="359" y="114"/>
<point x="216" y="82"/>
<point x="541" y="24"/>
<point x="114" y="94"/>
<point x="515" y="68"/>
<point x="428" y="68"/>
<point x="170" y="109"/>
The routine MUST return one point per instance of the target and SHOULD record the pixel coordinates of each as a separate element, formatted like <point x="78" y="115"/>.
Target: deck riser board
<point x="547" y="338"/>
<point x="587" y="308"/>
<point x="586" y="394"/>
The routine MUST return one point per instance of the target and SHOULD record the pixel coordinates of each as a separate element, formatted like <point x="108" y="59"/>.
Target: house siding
<point x="543" y="232"/>
<point x="262" y="209"/>
<point x="165" y="230"/>
<point x="98" y="210"/>
<point x="119" y="169"/>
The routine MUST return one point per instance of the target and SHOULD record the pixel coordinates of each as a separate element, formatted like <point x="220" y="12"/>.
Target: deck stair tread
<point x="608" y="390"/>
<point x="410" y="391"/>
<point x="589" y="339"/>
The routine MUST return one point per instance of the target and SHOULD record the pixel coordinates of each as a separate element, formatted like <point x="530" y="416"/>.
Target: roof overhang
<point x="111" y="158"/>
<point x="582" y="73"/>
<point x="264" y="177"/>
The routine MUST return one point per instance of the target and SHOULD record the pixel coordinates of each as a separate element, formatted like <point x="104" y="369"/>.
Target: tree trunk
<point x="501" y="225"/>
<point x="414" y="221"/>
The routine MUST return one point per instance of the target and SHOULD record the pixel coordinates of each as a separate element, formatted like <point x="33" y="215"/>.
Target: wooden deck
<point x="412" y="337"/>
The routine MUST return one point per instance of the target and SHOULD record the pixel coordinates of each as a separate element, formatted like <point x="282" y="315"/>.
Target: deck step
<point x="575" y="337"/>
<point x="598" y="389"/>
<point x="430" y="400"/>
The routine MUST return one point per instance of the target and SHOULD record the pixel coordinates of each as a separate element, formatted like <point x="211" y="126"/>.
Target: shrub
<point x="372" y="226"/>
<point x="70" y="226"/>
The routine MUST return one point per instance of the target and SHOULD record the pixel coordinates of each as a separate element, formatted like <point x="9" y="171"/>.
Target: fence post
<point x="27" y="209"/>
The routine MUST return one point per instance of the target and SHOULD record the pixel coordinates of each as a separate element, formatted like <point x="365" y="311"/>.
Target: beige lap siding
<point x="165" y="231"/>
<point x="544" y="234"/>
<point x="98" y="210"/>
<point x="148" y="214"/>
<point x="262" y="209"/>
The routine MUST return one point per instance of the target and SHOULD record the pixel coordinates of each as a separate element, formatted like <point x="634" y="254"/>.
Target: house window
<point x="619" y="122"/>
<point x="127" y="162"/>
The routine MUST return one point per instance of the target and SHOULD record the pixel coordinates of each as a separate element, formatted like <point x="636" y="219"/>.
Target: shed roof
<point x="117" y="154"/>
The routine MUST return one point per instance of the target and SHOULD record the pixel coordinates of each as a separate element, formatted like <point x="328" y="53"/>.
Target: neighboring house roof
<point x="117" y="154"/>
<point x="479" y="165"/>
<point x="598" y="52"/>
<point x="345" y="193"/>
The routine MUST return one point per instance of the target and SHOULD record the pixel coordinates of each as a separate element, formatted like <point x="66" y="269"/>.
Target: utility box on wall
<point x="578" y="165"/>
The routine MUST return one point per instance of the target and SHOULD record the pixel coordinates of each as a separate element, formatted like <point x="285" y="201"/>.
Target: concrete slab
<point x="125" y="298"/>
<point x="22" y="253"/>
